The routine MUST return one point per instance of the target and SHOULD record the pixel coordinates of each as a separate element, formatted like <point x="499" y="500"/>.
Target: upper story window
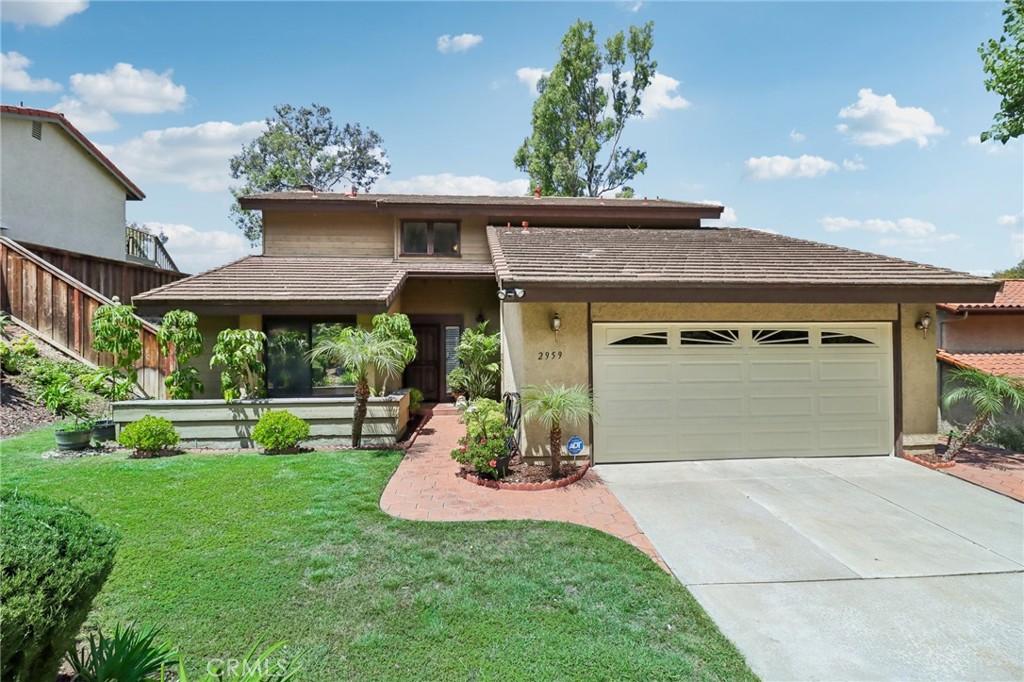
<point x="426" y="238"/>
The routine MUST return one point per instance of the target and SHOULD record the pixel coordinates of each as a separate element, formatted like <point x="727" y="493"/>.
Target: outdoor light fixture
<point x="924" y="323"/>
<point x="556" y="323"/>
<point x="510" y="293"/>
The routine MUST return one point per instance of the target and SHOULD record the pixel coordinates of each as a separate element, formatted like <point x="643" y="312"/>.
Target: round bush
<point x="54" y="558"/>
<point x="149" y="436"/>
<point x="279" y="430"/>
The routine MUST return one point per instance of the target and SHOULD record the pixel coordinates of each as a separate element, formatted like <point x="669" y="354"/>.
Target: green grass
<point x="223" y="549"/>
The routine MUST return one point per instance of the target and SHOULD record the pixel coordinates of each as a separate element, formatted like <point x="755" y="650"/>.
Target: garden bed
<point x="524" y="476"/>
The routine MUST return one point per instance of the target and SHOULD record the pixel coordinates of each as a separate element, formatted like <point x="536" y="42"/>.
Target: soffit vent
<point x="37" y="129"/>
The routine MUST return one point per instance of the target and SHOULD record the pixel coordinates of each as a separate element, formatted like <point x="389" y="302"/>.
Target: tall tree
<point x="304" y="146"/>
<point x="1013" y="272"/>
<point x="1003" y="60"/>
<point x="580" y="114"/>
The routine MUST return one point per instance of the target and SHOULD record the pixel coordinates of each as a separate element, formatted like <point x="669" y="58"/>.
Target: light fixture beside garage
<point x="504" y="294"/>
<point x="556" y="323"/>
<point x="924" y="323"/>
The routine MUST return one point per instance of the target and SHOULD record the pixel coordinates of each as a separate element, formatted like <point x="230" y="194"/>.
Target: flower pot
<point x="72" y="440"/>
<point x="104" y="430"/>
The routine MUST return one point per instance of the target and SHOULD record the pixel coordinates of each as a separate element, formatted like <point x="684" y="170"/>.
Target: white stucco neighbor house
<point x="57" y="189"/>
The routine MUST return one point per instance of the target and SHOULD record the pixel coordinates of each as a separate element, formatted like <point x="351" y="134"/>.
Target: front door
<point x="424" y="372"/>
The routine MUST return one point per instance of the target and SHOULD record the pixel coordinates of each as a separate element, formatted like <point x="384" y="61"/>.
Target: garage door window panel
<point x="782" y="337"/>
<point x="648" y="339"/>
<point x="843" y="339"/>
<point x="709" y="337"/>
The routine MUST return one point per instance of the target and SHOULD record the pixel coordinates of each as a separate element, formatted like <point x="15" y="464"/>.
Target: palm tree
<point x="990" y="394"/>
<point x="359" y="350"/>
<point x="554" y="405"/>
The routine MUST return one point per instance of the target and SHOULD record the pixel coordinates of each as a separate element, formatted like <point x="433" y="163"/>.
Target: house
<point x="988" y="336"/>
<point x="698" y="342"/>
<point x="64" y="200"/>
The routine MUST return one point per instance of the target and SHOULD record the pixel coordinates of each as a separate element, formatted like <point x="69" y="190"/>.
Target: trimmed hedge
<point x="149" y="436"/>
<point x="280" y="431"/>
<point x="54" y="558"/>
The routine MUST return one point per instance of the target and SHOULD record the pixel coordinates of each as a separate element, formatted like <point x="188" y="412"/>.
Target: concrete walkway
<point x="870" y="568"/>
<point x="425" y="488"/>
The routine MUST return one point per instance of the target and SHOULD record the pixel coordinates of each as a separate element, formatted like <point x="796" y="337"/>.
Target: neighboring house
<point x="64" y="200"/>
<point x="698" y="342"/>
<point x="985" y="336"/>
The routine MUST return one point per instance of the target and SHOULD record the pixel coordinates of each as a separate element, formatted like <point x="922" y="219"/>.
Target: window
<point x="290" y="373"/>
<point x="781" y="337"/>
<point x="840" y="338"/>
<point x="648" y="339"/>
<point x="422" y="238"/>
<point x="709" y="337"/>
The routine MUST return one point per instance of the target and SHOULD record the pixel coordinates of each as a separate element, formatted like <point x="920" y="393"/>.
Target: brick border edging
<point x="546" y="485"/>
<point x="930" y="465"/>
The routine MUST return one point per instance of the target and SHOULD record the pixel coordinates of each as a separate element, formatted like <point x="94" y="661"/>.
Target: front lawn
<point x="222" y="550"/>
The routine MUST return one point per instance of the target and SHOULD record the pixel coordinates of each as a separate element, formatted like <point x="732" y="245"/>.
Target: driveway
<point x="864" y="568"/>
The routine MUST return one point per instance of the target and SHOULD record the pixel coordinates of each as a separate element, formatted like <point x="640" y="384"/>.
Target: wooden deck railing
<point x="59" y="307"/>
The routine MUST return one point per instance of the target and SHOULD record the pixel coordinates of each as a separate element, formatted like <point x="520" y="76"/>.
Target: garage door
<point x="722" y="390"/>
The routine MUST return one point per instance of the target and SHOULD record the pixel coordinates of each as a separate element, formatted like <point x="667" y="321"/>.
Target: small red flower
<point x="493" y="462"/>
<point x="483" y="441"/>
<point x="463" y="449"/>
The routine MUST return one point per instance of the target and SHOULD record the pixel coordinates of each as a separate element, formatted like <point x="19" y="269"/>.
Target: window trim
<point x="430" y="239"/>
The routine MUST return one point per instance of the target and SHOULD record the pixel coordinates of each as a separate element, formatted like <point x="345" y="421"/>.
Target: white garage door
<point x="721" y="390"/>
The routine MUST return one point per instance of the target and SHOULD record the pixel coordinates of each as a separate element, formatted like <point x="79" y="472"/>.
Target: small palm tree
<point x="990" y="394"/>
<point x="359" y="350"/>
<point x="554" y="405"/>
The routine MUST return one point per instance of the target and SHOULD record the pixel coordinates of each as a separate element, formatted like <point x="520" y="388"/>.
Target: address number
<point x="549" y="355"/>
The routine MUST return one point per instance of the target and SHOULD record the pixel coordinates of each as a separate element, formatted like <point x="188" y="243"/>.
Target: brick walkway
<point x="992" y="468"/>
<point x="425" y="488"/>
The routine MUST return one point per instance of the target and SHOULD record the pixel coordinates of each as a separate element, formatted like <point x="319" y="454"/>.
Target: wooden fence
<point x="60" y="308"/>
<point x="105" y="275"/>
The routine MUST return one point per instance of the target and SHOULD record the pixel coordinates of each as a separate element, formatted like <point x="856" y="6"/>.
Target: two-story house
<point x="698" y="342"/>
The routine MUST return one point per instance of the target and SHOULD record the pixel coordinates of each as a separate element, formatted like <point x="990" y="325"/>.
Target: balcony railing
<point x="143" y="247"/>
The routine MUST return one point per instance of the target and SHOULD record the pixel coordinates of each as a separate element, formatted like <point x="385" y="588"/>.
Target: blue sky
<point x="849" y="123"/>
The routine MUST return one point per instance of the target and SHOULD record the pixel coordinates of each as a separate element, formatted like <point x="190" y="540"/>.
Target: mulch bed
<point x="525" y="476"/>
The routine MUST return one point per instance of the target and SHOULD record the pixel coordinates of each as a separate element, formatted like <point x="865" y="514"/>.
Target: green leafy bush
<point x="240" y="353"/>
<point x="1008" y="436"/>
<point x="54" y="558"/>
<point x="130" y="654"/>
<point x="179" y="337"/>
<point x="415" y="400"/>
<point x="24" y="345"/>
<point x="149" y="436"/>
<point x="280" y="431"/>
<point x="485" y="439"/>
<point x="479" y="372"/>
<point x="59" y="395"/>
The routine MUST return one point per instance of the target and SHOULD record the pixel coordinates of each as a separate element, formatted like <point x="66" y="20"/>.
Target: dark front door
<point x="425" y="372"/>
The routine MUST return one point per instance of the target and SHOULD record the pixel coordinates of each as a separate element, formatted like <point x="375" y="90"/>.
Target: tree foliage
<point x="1003" y="60"/>
<point x="179" y="335"/>
<point x="989" y="394"/>
<point x="1014" y="272"/>
<point x="553" y="405"/>
<point x="581" y="112"/>
<point x="304" y="146"/>
<point x="479" y="372"/>
<point x="240" y="353"/>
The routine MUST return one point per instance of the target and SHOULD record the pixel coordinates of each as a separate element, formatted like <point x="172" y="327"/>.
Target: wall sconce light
<point x="480" y="319"/>
<point x="924" y="323"/>
<point x="556" y="323"/>
<point x="510" y="293"/>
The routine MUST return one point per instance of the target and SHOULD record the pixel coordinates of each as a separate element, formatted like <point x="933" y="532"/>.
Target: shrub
<point x="485" y="439"/>
<point x="130" y="654"/>
<point x="179" y="335"/>
<point x="1008" y="436"/>
<point x="415" y="400"/>
<point x="279" y="431"/>
<point x="240" y="353"/>
<point x="479" y="370"/>
<point x="54" y="558"/>
<point x="61" y="397"/>
<point x="149" y="436"/>
<point x="26" y="346"/>
<point x="7" y="359"/>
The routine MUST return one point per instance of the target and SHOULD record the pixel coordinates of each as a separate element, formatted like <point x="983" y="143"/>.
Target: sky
<point x="854" y="124"/>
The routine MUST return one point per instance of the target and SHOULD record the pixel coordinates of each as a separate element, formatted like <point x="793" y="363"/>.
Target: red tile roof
<point x="367" y="282"/>
<point x="614" y="261"/>
<point x="1010" y="364"/>
<point x="1010" y="299"/>
<point x="134" y="193"/>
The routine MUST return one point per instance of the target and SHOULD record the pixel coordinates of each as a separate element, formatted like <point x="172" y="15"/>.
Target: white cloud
<point x="856" y="164"/>
<point x="778" y="167"/>
<point x="982" y="272"/>
<point x="449" y="183"/>
<point x="195" y="156"/>
<point x="40" y="13"/>
<point x="993" y="146"/>
<point x="198" y="251"/>
<point x="84" y="117"/>
<point x="633" y="6"/>
<point x="728" y="215"/>
<point x="125" y="89"/>
<point x="14" y="75"/>
<point x="796" y="137"/>
<point x="529" y="76"/>
<point x="919" y="241"/>
<point x="877" y="121"/>
<point x="1011" y="220"/>
<point x="459" y="43"/>
<point x="912" y="234"/>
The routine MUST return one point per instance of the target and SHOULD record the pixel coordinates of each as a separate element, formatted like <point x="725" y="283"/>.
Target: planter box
<point x="216" y="424"/>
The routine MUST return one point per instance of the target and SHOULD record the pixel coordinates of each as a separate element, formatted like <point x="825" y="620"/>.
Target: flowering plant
<point x="484" y="442"/>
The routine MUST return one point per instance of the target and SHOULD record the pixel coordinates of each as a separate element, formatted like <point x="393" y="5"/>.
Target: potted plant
<point x="115" y="330"/>
<point x="112" y="386"/>
<point x="63" y="399"/>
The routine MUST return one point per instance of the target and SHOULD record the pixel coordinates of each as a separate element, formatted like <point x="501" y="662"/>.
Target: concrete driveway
<point x="868" y="568"/>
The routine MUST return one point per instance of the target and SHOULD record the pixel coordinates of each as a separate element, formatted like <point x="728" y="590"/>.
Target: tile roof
<point x="1010" y="299"/>
<point x="705" y="257"/>
<point x="1010" y="364"/>
<point x="134" y="193"/>
<point x="482" y="200"/>
<point x="308" y="279"/>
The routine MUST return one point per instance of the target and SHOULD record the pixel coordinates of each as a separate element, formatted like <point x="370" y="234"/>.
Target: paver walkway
<point x="992" y="468"/>
<point x="425" y="488"/>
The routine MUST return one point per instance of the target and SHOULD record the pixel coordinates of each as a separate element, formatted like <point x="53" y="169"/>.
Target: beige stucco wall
<point x="526" y="334"/>
<point x="55" y="194"/>
<point x="209" y="326"/>
<point x="468" y="298"/>
<point x="980" y="333"/>
<point x="362" y="234"/>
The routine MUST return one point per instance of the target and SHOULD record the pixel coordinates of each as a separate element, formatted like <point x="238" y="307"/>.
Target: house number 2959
<point x="549" y="355"/>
